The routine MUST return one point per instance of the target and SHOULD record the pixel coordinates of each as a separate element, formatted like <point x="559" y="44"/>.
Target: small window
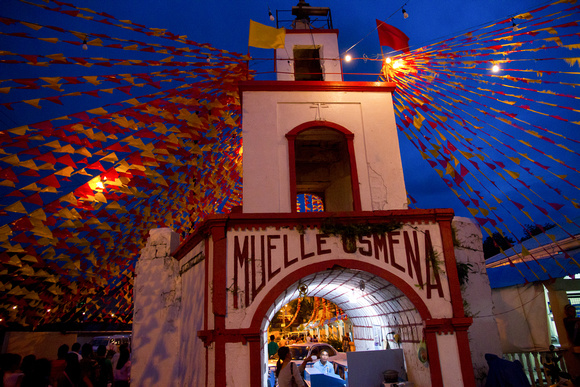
<point x="309" y="203"/>
<point x="307" y="64"/>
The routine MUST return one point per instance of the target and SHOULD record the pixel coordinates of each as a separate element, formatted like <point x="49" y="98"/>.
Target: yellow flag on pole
<point x="263" y="36"/>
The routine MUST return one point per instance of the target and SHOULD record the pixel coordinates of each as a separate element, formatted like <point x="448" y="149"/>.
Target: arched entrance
<point x="240" y="268"/>
<point x="376" y="312"/>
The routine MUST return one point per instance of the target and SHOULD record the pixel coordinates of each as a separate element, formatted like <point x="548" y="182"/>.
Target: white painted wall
<point x="418" y="372"/>
<point x="238" y="371"/>
<point x="241" y="317"/>
<point x="483" y="333"/>
<point x="449" y="358"/>
<point x="192" y="350"/>
<point x="268" y="116"/>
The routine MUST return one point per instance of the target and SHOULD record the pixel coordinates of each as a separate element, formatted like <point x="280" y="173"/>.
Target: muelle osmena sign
<point x="261" y="256"/>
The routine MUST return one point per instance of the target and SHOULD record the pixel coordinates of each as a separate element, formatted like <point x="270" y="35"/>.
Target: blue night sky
<point x="224" y="24"/>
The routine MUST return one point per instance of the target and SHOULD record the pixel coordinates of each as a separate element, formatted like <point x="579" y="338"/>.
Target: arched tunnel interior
<point x="379" y="315"/>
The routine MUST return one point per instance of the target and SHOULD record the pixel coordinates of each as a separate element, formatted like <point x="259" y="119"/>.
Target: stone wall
<point x="476" y="293"/>
<point x="157" y="306"/>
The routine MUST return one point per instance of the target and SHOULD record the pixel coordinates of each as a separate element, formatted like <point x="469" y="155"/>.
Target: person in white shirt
<point x="323" y="365"/>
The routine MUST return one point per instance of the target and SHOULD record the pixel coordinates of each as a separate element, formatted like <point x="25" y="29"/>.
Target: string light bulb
<point x="348" y="58"/>
<point x="272" y="18"/>
<point x="405" y="14"/>
<point x="388" y="60"/>
<point x="495" y="68"/>
<point x="85" y="44"/>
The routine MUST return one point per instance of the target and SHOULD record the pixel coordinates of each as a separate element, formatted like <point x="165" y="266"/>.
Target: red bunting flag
<point x="392" y="37"/>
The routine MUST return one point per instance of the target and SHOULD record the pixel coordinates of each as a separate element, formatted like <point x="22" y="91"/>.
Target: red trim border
<point x="334" y="86"/>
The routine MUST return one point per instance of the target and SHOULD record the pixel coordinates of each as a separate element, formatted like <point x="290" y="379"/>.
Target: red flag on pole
<point x="392" y="37"/>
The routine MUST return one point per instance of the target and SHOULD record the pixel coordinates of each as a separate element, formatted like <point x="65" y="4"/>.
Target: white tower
<point x="310" y="132"/>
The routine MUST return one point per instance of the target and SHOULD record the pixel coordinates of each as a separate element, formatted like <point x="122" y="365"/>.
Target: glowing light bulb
<point x="348" y="58"/>
<point x="48" y="310"/>
<point x="14" y="307"/>
<point x="495" y="68"/>
<point x="100" y="185"/>
<point x="388" y="60"/>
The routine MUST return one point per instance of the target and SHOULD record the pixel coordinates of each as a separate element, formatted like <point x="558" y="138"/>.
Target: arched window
<point x="322" y="164"/>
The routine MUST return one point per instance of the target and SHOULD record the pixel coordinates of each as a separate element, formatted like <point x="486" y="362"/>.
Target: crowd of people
<point x="77" y="366"/>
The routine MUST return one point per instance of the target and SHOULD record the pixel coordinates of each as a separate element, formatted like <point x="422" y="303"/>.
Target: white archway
<point x="380" y="304"/>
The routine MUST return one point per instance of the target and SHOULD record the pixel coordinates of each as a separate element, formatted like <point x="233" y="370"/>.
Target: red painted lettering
<point x="392" y="242"/>
<point x="413" y="257"/>
<point x="362" y="241"/>
<point x="271" y="247"/>
<point x="286" y="261"/>
<point x="256" y="289"/>
<point x="241" y="259"/>
<point x="321" y="241"/>
<point x="380" y="242"/>
<point x="302" y="248"/>
<point x="429" y="256"/>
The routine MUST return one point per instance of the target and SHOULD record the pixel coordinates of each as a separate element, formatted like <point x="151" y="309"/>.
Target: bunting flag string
<point x="512" y="175"/>
<point x="81" y="191"/>
<point x="98" y="42"/>
<point x="83" y="184"/>
<point x="439" y="94"/>
<point x="127" y="24"/>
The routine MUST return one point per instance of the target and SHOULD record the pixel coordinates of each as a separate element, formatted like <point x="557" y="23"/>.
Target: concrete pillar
<point x="476" y="292"/>
<point x="157" y="304"/>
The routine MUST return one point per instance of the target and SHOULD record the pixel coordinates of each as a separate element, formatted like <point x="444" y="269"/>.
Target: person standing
<point x="76" y="349"/>
<point x="71" y="377"/>
<point x="288" y="373"/>
<point x="122" y="371"/>
<point x="272" y="346"/>
<point x="105" y="374"/>
<point x="12" y="376"/>
<point x="323" y="365"/>
<point x="57" y="366"/>
<point x="346" y="343"/>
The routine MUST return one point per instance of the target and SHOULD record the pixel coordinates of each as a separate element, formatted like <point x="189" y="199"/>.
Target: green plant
<point x="456" y="241"/>
<point x="463" y="270"/>
<point x="433" y="259"/>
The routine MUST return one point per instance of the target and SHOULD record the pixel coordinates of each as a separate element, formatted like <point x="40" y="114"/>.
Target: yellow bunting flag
<point x="263" y="36"/>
